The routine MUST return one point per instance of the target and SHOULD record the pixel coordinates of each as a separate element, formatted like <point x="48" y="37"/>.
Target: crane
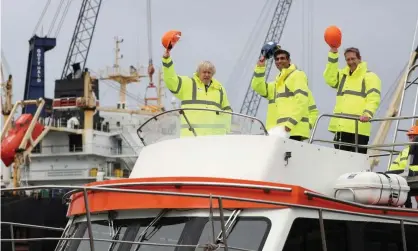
<point x="252" y="99"/>
<point x="82" y="36"/>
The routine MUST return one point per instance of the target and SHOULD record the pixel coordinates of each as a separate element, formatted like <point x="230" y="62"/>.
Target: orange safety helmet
<point x="170" y="38"/>
<point x="333" y="36"/>
<point x="413" y="130"/>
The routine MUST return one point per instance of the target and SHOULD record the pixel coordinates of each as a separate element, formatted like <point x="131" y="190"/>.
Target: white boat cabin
<point x="266" y="192"/>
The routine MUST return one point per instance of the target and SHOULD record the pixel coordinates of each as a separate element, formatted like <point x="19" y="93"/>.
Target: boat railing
<point x="86" y="148"/>
<point x="376" y="147"/>
<point x="219" y="199"/>
<point x="211" y="122"/>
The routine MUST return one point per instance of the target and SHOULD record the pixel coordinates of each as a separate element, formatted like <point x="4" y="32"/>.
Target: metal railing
<point x="376" y="147"/>
<point x="113" y="188"/>
<point x="183" y="111"/>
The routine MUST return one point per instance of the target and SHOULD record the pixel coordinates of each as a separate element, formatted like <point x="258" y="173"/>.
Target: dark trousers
<point x="350" y="138"/>
<point x="297" y="138"/>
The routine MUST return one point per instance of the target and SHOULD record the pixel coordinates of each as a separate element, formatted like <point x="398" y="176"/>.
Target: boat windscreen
<point x="168" y="234"/>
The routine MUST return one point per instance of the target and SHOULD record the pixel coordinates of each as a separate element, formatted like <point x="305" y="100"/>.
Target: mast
<point x="121" y="77"/>
<point x="395" y="108"/>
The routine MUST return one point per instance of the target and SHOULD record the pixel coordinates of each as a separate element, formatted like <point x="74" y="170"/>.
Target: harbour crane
<point x="252" y="99"/>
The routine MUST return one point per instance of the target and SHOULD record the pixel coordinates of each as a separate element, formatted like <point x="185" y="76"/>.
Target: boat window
<point x="165" y="231"/>
<point x="385" y="236"/>
<point x="341" y="235"/>
<point x="305" y="235"/>
<point x="248" y="233"/>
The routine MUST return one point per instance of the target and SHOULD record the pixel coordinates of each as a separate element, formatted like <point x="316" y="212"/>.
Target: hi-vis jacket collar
<point x="360" y="70"/>
<point x="215" y="83"/>
<point x="285" y="72"/>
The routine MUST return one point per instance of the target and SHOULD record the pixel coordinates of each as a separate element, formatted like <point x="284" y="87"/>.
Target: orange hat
<point x="333" y="36"/>
<point x="170" y="38"/>
<point x="413" y="131"/>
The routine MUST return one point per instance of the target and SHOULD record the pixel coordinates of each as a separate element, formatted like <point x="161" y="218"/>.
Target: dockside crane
<point x="252" y="99"/>
<point x="82" y="37"/>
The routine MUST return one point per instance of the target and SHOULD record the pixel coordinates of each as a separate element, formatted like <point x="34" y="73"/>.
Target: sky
<point x="225" y="32"/>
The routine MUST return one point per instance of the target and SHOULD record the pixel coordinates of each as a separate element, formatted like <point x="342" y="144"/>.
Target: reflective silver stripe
<point x="259" y="74"/>
<point x="178" y="86"/>
<point x="221" y="99"/>
<point x="369" y="112"/>
<point x="301" y="92"/>
<point x="207" y="126"/>
<point x="285" y="94"/>
<point x="404" y="158"/>
<point x="312" y="107"/>
<point x="194" y="89"/>
<point x="332" y="60"/>
<point x="167" y="65"/>
<point x="373" y="90"/>
<point x="342" y="92"/>
<point x="194" y="100"/>
<point x="200" y="102"/>
<point x="291" y="120"/>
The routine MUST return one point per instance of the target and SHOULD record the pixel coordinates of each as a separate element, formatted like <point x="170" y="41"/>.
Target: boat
<point x="290" y="195"/>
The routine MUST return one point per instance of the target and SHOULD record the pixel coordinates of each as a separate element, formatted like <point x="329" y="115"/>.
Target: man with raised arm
<point x="291" y="103"/>
<point x="199" y="91"/>
<point x="358" y="96"/>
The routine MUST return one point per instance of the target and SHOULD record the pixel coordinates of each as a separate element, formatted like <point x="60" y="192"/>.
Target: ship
<point x="70" y="139"/>
<point x="297" y="198"/>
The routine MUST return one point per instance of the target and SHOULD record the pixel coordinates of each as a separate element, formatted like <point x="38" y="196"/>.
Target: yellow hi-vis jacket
<point x="313" y="110"/>
<point x="288" y="98"/>
<point x="401" y="161"/>
<point x="357" y="94"/>
<point x="193" y="94"/>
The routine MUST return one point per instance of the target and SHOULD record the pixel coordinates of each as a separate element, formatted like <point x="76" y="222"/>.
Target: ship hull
<point x="49" y="212"/>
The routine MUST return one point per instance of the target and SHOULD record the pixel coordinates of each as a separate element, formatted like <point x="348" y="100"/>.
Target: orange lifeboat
<point x="15" y="135"/>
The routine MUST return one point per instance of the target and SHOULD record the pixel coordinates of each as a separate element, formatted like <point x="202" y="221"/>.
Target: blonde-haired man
<point x="200" y="91"/>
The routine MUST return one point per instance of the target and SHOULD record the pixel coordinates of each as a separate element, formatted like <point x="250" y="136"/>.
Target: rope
<point x="41" y="17"/>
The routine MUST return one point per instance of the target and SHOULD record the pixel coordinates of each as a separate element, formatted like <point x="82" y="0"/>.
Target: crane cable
<point x="64" y="15"/>
<point x="41" y="17"/>
<point x="251" y="47"/>
<point x="54" y="19"/>
<point x="151" y="69"/>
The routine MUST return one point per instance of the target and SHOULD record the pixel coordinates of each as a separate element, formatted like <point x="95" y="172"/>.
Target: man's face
<point x="411" y="137"/>
<point x="281" y="61"/>
<point x="205" y="75"/>
<point x="352" y="60"/>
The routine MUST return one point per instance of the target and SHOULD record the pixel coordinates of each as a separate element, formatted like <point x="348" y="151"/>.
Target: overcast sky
<point x="219" y="30"/>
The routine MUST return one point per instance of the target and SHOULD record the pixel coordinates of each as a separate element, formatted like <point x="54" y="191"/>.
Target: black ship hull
<point x="49" y="212"/>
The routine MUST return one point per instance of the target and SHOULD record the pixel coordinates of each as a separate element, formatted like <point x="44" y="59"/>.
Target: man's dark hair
<point x="354" y="50"/>
<point x="280" y="51"/>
